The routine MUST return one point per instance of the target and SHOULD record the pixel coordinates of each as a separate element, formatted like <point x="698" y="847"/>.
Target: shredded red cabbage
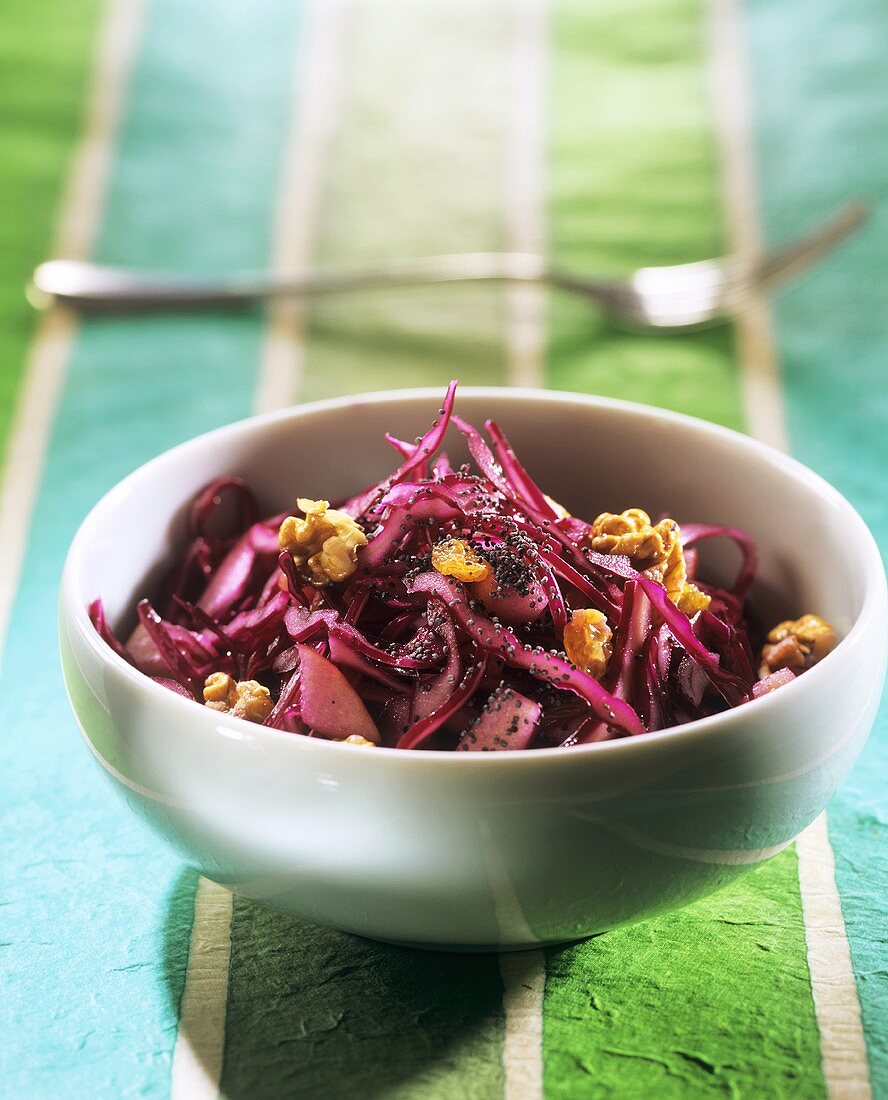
<point x="402" y="653"/>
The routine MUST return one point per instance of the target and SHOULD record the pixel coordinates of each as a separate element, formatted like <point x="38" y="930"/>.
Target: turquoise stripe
<point x="822" y="130"/>
<point x="97" y="917"/>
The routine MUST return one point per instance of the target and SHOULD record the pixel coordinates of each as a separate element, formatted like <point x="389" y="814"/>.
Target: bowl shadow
<point x="319" y="1013"/>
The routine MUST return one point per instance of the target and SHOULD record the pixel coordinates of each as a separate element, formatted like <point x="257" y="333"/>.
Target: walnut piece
<point x="324" y="544"/>
<point x="632" y="533"/>
<point x="459" y="559"/>
<point x="587" y="641"/>
<point x="242" y="698"/>
<point x="654" y="548"/>
<point x="673" y="575"/>
<point x="797" y="644"/>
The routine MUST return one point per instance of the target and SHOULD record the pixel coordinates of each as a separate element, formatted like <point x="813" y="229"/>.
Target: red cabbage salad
<point x="457" y="609"/>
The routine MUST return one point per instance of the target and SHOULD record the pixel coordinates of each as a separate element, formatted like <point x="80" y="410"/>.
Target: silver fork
<point x="683" y="296"/>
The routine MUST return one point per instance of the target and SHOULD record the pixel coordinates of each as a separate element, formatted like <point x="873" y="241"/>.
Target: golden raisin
<point x="797" y="644"/>
<point x="587" y="641"/>
<point x="243" y="698"/>
<point x="323" y="544"/>
<point x="560" y="511"/>
<point x="459" y="559"/>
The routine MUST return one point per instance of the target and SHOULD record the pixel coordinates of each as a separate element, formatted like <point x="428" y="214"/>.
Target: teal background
<point x="821" y="110"/>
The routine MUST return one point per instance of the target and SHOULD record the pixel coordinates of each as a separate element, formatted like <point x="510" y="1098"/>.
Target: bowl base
<point x="482" y="949"/>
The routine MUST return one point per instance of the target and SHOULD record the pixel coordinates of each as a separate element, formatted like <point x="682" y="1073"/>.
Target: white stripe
<point x="836" y="1004"/>
<point x="510" y="919"/>
<point x="197" y="1056"/>
<point x="524" y="198"/>
<point x="842" y="1042"/>
<point x="79" y="218"/>
<point x="524" y="973"/>
<point x="762" y="396"/>
<point x="524" y="979"/>
<point x="314" y="110"/>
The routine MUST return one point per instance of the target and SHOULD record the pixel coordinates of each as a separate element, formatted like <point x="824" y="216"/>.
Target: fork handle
<point x="97" y="288"/>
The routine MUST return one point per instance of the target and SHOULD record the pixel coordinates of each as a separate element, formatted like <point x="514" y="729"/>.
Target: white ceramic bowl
<point x="500" y="850"/>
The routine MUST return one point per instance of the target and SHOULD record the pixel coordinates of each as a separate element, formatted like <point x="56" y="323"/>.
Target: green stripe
<point x="632" y="183"/>
<point x="416" y="165"/>
<point x="714" y="999"/>
<point x="711" y="1000"/>
<point x="42" y="85"/>
<point x="317" y="1014"/>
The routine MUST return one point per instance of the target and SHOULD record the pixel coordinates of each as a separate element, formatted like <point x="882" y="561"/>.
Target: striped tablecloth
<point x="215" y="136"/>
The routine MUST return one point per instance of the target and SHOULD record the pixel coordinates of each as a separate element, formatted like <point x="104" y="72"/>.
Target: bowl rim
<point x="74" y="608"/>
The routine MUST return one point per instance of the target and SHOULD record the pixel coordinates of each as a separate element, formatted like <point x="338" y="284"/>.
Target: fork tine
<point x="691" y="296"/>
<point x="799" y="255"/>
